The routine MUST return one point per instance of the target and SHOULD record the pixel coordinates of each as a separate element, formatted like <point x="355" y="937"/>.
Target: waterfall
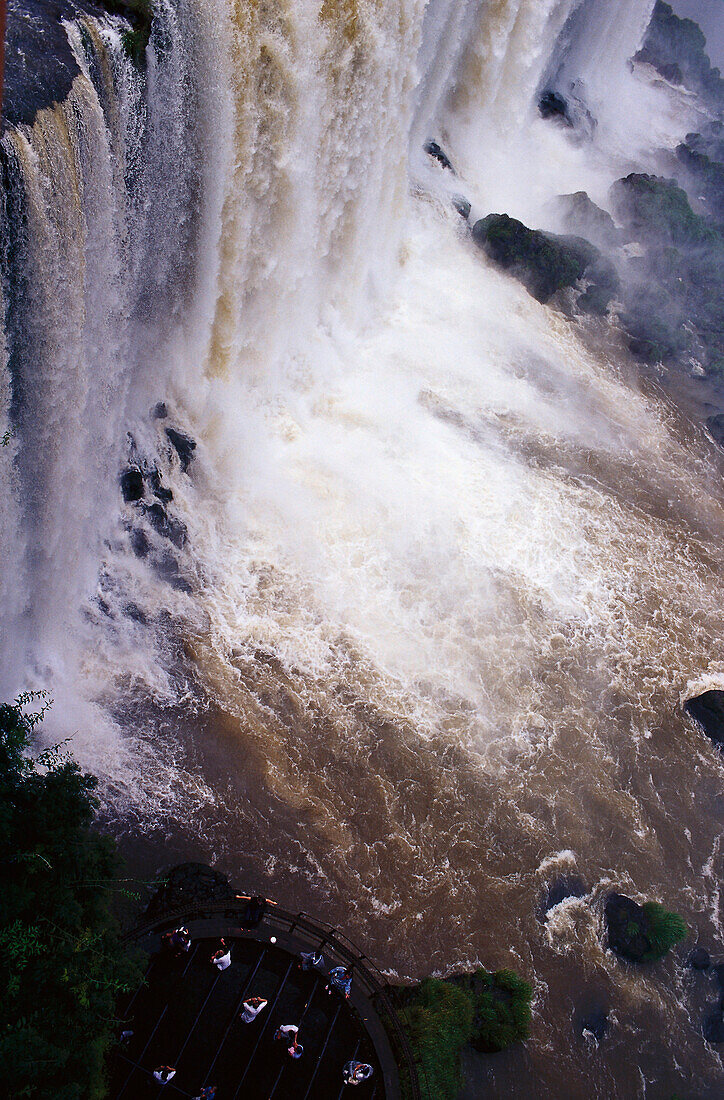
<point x="414" y="624"/>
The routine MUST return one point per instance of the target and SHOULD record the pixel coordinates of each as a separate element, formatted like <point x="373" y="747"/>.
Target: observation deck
<point x="186" y="1014"/>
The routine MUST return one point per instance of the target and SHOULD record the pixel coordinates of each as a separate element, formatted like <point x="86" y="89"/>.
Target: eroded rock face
<point x="708" y="710"/>
<point x="438" y="153"/>
<point x="132" y="486"/>
<point x="189" y="885"/>
<point x="553" y="105"/>
<point x="183" y="445"/>
<point x="543" y="262"/>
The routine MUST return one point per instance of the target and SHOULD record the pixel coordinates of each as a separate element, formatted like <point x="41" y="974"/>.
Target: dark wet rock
<point x="708" y="709"/>
<point x="626" y="927"/>
<point x="583" y="217"/>
<point x="184" y="446"/>
<point x="438" y="153"/>
<point x="641" y="933"/>
<point x="160" y="412"/>
<point x="134" y="612"/>
<point x="40" y="66"/>
<point x="131" y="482"/>
<point x="594" y="1023"/>
<point x="543" y="262"/>
<point x="462" y="206"/>
<point x="553" y="105"/>
<point x="677" y="49"/>
<point x="157" y="486"/>
<point x="565" y="886"/>
<point x="139" y="542"/>
<point x="167" y="526"/>
<point x="699" y="959"/>
<point x="167" y="568"/>
<point x="715" y="425"/>
<point x="188" y="886"/>
<point x="713" y="1027"/>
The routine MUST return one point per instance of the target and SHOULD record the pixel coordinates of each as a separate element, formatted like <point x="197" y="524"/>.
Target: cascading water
<point x="447" y="569"/>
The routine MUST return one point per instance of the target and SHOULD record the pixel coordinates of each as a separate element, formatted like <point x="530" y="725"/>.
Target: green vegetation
<point x="62" y="962"/>
<point x="652" y="207"/>
<point x="139" y="13"/>
<point x="438" y="1019"/>
<point x="501" y="1004"/>
<point x="641" y="933"/>
<point x="490" y="1011"/>
<point x="663" y="929"/>
<point x="543" y="262"/>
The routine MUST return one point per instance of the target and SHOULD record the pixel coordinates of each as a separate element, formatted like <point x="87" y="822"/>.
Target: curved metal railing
<point x="324" y="936"/>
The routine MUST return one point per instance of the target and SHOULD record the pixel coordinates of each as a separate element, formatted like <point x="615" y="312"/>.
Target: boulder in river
<point x="184" y="446"/>
<point x="189" y="885"/>
<point x="708" y="710"/>
<point x="699" y="959"/>
<point x="641" y="933"/>
<point x="714" y="1026"/>
<point x="132" y="487"/>
<point x="553" y="105"/>
<point x="565" y="886"/>
<point x="438" y="153"/>
<point x="543" y="262"/>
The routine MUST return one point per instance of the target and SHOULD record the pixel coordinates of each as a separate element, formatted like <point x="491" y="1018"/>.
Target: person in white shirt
<point x="164" y="1074"/>
<point x="252" y="1008"/>
<point x="222" y="958"/>
<point x="289" y="1032"/>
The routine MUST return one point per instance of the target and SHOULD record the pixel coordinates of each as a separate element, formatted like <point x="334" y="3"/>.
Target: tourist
<point x="289" y="1032"/>
<point x="252" y="1008"/>
<point x="164" y="1074"/>
<point x="355" y="1073"/>
<point x="340" y="978"/>
<point x="311" y="960"/>
<point x="207" y="1093"/>
<point x="254" y="910"/>
<point x="178" y="941"/>
<point x="222" y="958"/>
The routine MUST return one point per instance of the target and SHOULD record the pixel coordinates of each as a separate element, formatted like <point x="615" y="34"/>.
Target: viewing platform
<point x="187" y="1013"/>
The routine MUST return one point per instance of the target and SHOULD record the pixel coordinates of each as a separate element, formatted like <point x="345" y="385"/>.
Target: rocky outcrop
<point x="183" y="445"/>
<point x="132" y="487"/>
<point x="190" y="885"/>
<point x="438" y="153"/>
<point x="641" y="933"/>
<point x="544" y="262"/>
<point x="580" y="215"/>
<point x="677" y="49"/>
<point x="708" y="710"/>
<point x="553" y="105"/>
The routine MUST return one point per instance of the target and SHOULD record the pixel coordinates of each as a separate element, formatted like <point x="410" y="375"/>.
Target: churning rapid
<point x="412" y="635"/>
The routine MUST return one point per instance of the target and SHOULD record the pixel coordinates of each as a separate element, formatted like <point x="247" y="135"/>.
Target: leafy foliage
<point x="62" y="963"/>
<point x="663" y="928"/>
<point x="438" y="1019"/>
<point x="489" y="1010"/>
<point x="501" y="1008"/>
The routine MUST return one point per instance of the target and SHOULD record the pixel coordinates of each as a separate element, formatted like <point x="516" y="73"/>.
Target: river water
<point x="452" y="564"/>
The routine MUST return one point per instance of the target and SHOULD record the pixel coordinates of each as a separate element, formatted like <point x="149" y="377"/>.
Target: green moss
<point x="438" y="1019"/>
<point x="677" y="48"/>
<point x="544" y="262"/>
<point x="658" y="209"/>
